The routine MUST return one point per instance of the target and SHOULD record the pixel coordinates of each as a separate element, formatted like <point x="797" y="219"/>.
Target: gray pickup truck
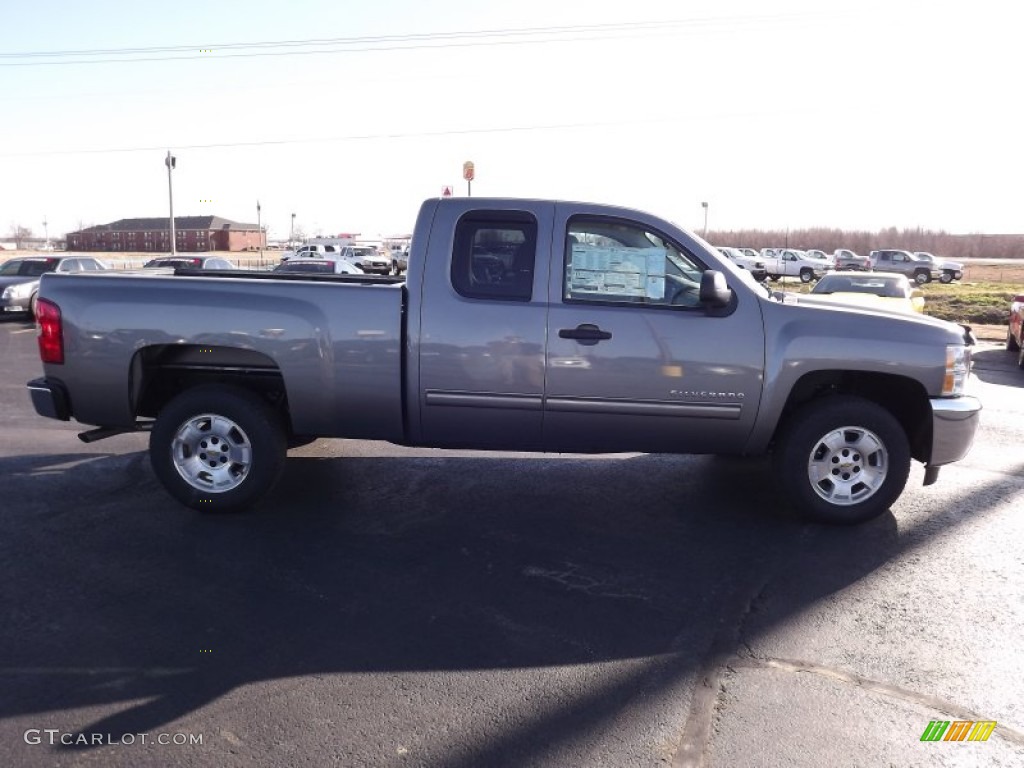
<point x="522" y="325"/>
<point x="906" y="263"/>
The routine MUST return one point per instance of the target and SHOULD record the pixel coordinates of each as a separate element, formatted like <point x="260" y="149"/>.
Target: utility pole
<point x="259" y="229"/>
<point x="705" y="207"/>
<point x="170" y="161"/>
<point x="291" y="233"/>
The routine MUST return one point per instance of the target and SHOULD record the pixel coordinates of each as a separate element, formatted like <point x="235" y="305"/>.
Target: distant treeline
<point x="939" y="243"/>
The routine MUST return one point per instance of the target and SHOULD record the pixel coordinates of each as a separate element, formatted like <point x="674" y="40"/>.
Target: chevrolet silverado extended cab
<point x="521" y="325"/>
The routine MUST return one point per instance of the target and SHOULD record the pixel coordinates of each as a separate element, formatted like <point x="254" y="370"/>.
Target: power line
<point x="514" y="36"/>
<point x="646" y="120"/>
<point x="354" y="137"/>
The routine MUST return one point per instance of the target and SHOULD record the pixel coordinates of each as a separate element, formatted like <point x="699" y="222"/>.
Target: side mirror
<point x="714" y="291"/>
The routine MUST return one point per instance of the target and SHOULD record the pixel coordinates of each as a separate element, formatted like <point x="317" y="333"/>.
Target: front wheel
<point x="1011" y="341"/>
<point x="946" y="278"/>
<point x="217" y="448"/>
<point x="806" y="275"/>
<point x="922" y="277"/>
<point x="842" y="460"/>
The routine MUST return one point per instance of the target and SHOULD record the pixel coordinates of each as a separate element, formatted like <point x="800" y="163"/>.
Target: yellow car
<point x="880" y="290"/>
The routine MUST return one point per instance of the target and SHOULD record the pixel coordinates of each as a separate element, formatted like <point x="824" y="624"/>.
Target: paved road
<point x="390" y="606"/>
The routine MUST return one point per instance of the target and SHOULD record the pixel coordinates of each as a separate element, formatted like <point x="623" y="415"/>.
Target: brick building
<point x="193" y="233"/>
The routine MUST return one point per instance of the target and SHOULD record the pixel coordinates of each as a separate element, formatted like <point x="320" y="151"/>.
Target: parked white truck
<point x="791" y="262"/>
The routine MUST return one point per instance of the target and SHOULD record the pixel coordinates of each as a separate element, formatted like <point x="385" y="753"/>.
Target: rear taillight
<point x="50" y="332"/>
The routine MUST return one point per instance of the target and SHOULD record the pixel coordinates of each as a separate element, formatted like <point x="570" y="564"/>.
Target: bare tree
<point x="19" y="234"/>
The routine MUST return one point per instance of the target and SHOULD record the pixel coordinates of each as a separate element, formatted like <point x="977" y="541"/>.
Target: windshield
<point x="29" y="267"/>
<point x="172" y="263"/>
<point x="889" y="287"/>
<point x="306" y="266"/>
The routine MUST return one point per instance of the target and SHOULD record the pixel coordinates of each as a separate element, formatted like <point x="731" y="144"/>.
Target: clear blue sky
<point x="790" y="113"/>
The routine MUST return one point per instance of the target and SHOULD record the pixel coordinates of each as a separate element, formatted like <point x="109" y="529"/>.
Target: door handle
<point x="587" y="334"/>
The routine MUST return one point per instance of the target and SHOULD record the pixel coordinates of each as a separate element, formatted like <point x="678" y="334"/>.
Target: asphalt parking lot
<point x="405" y="607"/>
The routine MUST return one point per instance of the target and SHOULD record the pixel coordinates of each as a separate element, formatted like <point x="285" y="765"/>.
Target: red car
<point x="1015" y="331"/>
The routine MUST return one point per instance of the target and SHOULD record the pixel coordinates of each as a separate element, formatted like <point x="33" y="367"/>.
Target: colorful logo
<point x="958" y="730"/>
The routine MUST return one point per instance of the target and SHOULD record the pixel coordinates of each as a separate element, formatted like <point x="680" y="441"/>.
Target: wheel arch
<point x="158" y="373"/>
<point x="904" y="398"/>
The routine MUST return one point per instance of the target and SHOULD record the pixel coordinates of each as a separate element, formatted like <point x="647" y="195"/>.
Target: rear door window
<point x="494" y="255"/>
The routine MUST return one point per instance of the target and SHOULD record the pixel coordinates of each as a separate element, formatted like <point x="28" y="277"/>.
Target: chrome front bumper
<point x="954" y="423"/>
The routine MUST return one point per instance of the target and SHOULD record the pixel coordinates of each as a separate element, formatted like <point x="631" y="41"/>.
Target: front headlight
<point x="958" y="366"/>
<point x="19" y="291"/>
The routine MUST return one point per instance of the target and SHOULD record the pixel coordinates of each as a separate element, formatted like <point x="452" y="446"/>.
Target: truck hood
<point x="863" y="300"/>
<point x="827" y="303"/>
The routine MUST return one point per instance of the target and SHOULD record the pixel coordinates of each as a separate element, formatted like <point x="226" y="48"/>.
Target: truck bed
<point x="335" y="341"/>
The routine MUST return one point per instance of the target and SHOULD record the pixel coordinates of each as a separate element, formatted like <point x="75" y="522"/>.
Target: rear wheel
<point x="217" y="448"/>
<point x="842" y="460"/>
<point x="32" y="304"/>
<point x="1011" y="341"/>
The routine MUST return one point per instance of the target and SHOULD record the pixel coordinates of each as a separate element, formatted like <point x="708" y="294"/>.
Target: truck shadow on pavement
<point x="997" y="365"/>
<point x="124" y="603"/>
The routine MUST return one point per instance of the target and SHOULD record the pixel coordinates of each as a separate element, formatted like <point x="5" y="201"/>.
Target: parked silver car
<point x="319" y="267"/>
<point x="19" y="278"/>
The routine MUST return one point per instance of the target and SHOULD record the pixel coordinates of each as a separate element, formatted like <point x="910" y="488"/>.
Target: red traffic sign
<point x="446" y="191"/>
<point x="468" y="170"/>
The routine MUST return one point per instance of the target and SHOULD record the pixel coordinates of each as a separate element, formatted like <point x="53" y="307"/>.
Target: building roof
<point x="181" y="223"/>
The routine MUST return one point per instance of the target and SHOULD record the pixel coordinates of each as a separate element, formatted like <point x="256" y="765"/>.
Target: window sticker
<point x="615" y="271"/>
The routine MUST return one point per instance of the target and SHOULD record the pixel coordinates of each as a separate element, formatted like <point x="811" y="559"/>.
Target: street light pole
<point x="291" y="233"/>
<point x="259" y="229"/>
<point x="170" y="162"/>
<point x="704" y="205"/>
<point x="46" y="230"/>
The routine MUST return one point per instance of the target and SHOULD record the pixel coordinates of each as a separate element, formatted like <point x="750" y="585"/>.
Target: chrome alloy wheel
<point x="211" y="453"/>
<point x="847" y="465"/>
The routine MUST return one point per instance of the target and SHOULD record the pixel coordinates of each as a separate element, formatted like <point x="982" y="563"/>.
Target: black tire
<point x="774" y="278"/>
<point x="921" y="277"/>
<point x="832" y="436"/>
<point x="1020" y="357"/>
<point x="32" y="304"/>
<point x="233" y="452"/>
<point x="1011" y="341"/>
<point x="946" y="278"/>
<point x="806" y="275"/>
